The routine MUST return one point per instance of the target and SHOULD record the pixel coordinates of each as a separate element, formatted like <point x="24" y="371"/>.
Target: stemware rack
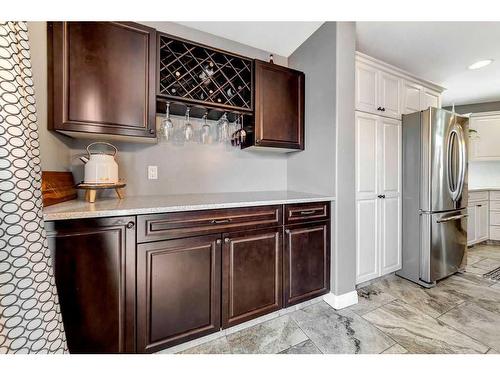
<point x="202" y="77"/>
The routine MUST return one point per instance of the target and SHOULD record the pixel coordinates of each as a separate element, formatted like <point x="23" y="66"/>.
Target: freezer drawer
<point x="443" y="244"/>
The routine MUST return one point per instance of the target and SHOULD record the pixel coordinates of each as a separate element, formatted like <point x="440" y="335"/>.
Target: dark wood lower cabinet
<point x="94" y="264"/>
<point x="306" y="262"/>
<point x="178" y="291"/>
<point x="252" y="277"/>
<point x="123" y="291"/>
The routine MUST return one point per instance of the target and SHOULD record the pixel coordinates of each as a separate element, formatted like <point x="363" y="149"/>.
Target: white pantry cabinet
<point x="378" y="196"/>
<point x="485" y="136"/>
<point x="388" y="91"/>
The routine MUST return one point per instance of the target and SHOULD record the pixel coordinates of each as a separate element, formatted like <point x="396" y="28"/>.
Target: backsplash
<point x="484" y="173"/>
<point x="191" y="167"/>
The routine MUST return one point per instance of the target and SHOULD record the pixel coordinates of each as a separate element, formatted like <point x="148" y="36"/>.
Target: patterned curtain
<point x="30" y="318"/>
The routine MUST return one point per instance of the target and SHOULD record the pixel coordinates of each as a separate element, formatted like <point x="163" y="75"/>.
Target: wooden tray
<point x="91" y="189"/>
<point x="57" y="187"/>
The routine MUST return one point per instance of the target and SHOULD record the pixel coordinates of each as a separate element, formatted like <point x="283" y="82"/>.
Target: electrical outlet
<point x="152" y="172"/>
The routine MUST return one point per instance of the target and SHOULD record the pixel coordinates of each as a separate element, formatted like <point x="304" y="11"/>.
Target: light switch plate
<point x="152" y="172"/>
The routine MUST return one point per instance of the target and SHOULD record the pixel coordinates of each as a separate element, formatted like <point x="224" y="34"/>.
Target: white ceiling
<point x="281" y="38"/>
<point x="439" y="52"/>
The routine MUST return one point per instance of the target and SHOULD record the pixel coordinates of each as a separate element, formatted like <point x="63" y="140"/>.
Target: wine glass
<point x="166" y="127"/>
<point x="188" y="128"/>
<point x="223" y="128"/>
<point x="205" y="131"/>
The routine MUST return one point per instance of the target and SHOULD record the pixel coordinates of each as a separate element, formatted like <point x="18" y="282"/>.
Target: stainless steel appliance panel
<point x="443" y="244"/>
<point x="444" y="161"/>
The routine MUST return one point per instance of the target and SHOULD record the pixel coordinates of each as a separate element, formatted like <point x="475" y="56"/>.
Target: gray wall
<point x="476" y="107"/>
<point x="182" y="169"/>
<point x="327" y="164"/>
<point x="344" y="261"/>
<point x="313" y="170"/>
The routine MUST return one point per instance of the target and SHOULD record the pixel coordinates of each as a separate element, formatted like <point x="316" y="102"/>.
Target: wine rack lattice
<point x="194" y="73"/>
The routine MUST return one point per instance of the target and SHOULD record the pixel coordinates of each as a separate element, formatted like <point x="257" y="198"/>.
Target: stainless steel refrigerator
<point x="435" y="144"/>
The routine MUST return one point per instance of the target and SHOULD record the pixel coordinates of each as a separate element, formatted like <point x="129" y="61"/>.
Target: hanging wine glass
<point x="205" y="131"/>
<point x="188" y="128"/>
<point x="166" y="127"/>
<point x="223" y="129"/>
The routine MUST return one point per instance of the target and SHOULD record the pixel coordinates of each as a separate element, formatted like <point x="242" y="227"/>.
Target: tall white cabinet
<point x="383" y="94"/>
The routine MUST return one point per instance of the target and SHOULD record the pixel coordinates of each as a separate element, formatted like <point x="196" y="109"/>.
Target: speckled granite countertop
<point x="79" y="209"/>
<point x="484" y="188"/>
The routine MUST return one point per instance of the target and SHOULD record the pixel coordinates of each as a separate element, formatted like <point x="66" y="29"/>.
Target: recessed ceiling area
<point x="440" y="52"/>
<point x="281" y="38"/>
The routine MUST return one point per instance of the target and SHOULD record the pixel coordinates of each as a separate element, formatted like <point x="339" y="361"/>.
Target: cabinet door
<point x="94" y="265"/>
<point x="484" y="143"/>
<point x="306" y="262"/>
<point x="430" y="99"/>
<point x="367" y="238"/>
<point x="102" y="78"/>
<point x="389" y="95"/>
<point x="279" y="106"/>
<point x="471" y="225"/>
<point x="366" y="88"/>
<point x="367" y="130"/>
<point x="251" y="282"/>
<point x="482" y="221"/>
<point x="390" y="189"/>
<point x="412" y="97"/>
<point x="178" y="291"/>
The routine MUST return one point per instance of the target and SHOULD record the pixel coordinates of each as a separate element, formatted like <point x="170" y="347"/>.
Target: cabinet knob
<point x="379" y="108"/>
<point x="218" y="242"/>
<point x="257" y="141"/>
<point x="151" y="131"/>
<point x="287" y="231"/>
<point x="226" y="240"/>
<point x="383" y="109"/>
<point x="130" y="224"/>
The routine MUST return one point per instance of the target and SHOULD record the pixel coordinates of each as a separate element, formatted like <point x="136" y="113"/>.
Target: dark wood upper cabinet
<point x="306" y="261"/>
<point x="279" y="108"/>
<point x="251" y="274"/>
<point x="178" y="291"/>
<point x="94" y="263"/>
<point x="102" y="78"/>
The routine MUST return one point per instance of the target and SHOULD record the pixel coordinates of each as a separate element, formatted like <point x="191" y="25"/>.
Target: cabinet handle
<point x="480" y="205"/>
<point x="226" y="240"/>
<point x="379" y="108"/>
<point x="308" y="212"/>
<point x="218" y="242"/>
<point x="257" y="141"/>
<point x="383" y="109"/>
<point x="287" y="231"/>
<point x="130" y="224"/>
<point x="151" y="131"/>
<point x="381" y="196"/>
<point x="221" y="221"/>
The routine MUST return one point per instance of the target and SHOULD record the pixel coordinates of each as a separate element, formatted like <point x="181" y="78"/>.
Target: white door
<point x="411" y="97"/>
<point x="430" y="99"/>
<point x="367" y="229"/>
<point x="366" y="88"/>
<point x="482" y="216"/>
<point x="484" y="142"/>
<point x="367" y="215"/>
<point x="390" y="190"/>
<point x="389" y="95"/>
<point x="471" y="225"/>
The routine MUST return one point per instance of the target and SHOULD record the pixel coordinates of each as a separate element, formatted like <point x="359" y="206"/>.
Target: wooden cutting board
<point x="57" y="187"/>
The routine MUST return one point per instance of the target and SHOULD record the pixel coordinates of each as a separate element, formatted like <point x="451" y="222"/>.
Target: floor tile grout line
<point x="379" y="330"/>
<point x="450" y="309"/>
<point x="309" y="338"/>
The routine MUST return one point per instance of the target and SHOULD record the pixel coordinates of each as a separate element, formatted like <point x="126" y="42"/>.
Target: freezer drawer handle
<point x="451" y="218"/>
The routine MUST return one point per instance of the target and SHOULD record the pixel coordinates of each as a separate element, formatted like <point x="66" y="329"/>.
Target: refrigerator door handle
<point x="455" y="187"/>
<point x="451" y="218"/>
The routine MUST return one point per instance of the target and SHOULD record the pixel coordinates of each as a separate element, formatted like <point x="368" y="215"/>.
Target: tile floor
<point x="460" y="315"/>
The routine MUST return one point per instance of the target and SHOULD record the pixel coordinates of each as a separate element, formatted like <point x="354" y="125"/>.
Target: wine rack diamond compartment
<point x="193" y="73"/>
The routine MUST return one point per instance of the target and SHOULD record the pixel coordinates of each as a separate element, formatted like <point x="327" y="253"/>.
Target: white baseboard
<point x="341" y="301"/>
